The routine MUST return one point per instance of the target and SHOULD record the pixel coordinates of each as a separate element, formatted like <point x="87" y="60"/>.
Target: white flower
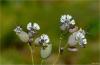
<point x="18" y="29"/>
<point x="46" y="47"/>
<point x="33" y="26"/>
<point x="45" y="38"/>
<point x="65" y="21"/>
<point x="63" y="18"/>
<point x="21" y="34"/>
<point x="80" y="36"/>
<point x="42" y="40"/>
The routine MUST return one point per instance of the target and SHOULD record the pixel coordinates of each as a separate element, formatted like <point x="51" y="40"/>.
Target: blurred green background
<point x="47" y="14"/>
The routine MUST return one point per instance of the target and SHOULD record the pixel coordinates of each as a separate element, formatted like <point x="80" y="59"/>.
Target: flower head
<point x="45" y="38"/>
<point x="42" y="40"/>
<point x="32" y="29"/>
<point x="66" y="22"/>
<point x="80" y="36"/>
<point x="33" y="26"/>
<point x="63" y="18"/>
<point x="18" y="29"/>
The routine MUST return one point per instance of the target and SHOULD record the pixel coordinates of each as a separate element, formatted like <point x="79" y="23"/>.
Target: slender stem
<point x="65" y="46"/>
<point x="31" y="53"/>
<point x="59" y="51"/>
<point x="56" y="58"/>
<point x="43" y="61"/>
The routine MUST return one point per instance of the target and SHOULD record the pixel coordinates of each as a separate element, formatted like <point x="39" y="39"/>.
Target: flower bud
<point x="21" y="34"/>
<point x="45" y="52"/>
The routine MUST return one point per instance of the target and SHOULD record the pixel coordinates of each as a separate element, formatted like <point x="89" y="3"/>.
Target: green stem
<point x="59" y="51"/>
<point x="42" y="61"/>
<point x="31" y="53"/>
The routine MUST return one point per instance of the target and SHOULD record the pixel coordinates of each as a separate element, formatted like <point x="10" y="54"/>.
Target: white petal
<point x="48" y="40"/>
<point x="81" y="35"/>
<point x="63" y="18"/>
<point x="69" y="17"/>
<point x="83" y="32"/>
<point x="80" y="29"/>
<point x="29" y="26"/>
<point x="85" y="41"/>
<point x="42" y="36"/>
<point x="36" y="26"/>
<point x="78" y="34"/>
<point x="72" y="22"/>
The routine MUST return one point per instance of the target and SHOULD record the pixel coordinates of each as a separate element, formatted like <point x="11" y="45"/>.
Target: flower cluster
<point x="78" y="35"/>
<point x="43" y="41"/>
<point x="67" y="23"/>
<point x="27" y="37"/>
